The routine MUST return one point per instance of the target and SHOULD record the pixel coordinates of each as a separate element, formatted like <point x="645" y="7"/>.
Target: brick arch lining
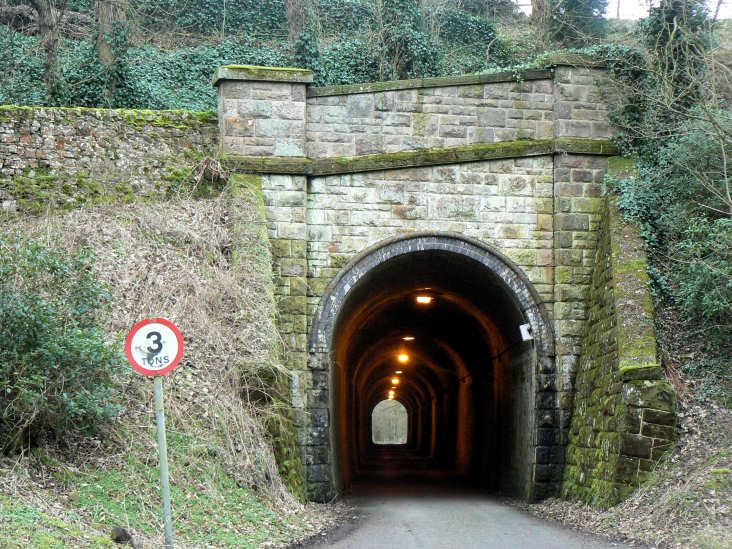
<point x="323" y="479"/>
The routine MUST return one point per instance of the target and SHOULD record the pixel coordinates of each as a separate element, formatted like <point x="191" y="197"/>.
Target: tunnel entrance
<point x="434" y="322"/>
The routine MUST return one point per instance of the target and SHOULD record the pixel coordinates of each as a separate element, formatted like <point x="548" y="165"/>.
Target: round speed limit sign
<point x="154" y="346"/>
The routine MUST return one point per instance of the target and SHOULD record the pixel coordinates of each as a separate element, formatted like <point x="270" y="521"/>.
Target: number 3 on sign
<point x="154" y="346"/>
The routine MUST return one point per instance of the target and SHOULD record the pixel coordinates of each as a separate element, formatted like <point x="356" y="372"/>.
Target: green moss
<point x="620" y="165"/>
<point x="268" y="165"/>
<point x="409" y="159"/>
<point x="579" y="145"/>
<point x="251" y="241"/>
<point x="248" y="181"/>
<point x="630" y="372"/>
<point x="632" y="266"/>
<point x="432" y="157"/>
<point x="179" y="119"/>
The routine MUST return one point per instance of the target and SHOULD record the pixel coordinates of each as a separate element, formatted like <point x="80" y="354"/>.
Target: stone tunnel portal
<point x="433" y="322"/>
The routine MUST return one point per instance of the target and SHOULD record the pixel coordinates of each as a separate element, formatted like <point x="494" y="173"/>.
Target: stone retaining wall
<point x="624" y="411"/>
<point x="62" y="157"/>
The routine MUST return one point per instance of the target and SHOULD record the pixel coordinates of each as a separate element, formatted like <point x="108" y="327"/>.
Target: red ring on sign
<point x="139" y="367"/>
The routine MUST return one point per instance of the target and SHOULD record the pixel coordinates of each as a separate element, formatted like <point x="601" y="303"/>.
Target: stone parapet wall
<point x="264" y="112"/>
<point x="624" y="411"/>
<point x="429" y="118"/>
<point x="55" y="155"/>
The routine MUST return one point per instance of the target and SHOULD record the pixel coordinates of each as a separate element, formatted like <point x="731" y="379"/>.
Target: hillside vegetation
<point x="205" y="265"/>
<point x="85" y="461"/>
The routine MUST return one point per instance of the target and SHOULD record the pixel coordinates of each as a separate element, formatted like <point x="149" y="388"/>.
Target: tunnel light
<point x="398" y="372"/>
<point x="395" y="381"/>
<point x="391" y="397"/>
<point x="424" y="299"/>
<point x="403" y="357"/>
<point x="408" y="338"/>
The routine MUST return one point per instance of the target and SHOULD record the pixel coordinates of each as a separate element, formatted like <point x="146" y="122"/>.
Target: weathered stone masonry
<point x="72" y="156"/>
<point x="516" y="163"/>
<point x="623" y="419"/>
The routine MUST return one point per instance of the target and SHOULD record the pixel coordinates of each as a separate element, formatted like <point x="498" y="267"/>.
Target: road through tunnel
<point x="433" y="322"/>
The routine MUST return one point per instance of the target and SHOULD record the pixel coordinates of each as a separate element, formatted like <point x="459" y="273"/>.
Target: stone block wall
<point x="624" y="411"/>
<point x="343" y="121"/>
<point x="516" y="161"/>
<point x="506" y="203"/>
<point x="578" y="192"/>
<point x="51" y="156"/>
<point x="579" y="110"/>
<point x="262" y="111"/>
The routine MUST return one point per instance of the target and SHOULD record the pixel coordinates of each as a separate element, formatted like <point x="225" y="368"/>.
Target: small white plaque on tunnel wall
<point x="526" y="332"/>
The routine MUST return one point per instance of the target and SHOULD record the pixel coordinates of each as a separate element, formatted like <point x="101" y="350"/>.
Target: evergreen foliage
<point x="681" y="138"/>
<point x="393" y="43"/>
<point x="408" y="51"/>
<point x="576" y="22"/>
<point x="55" y="366"/>
<point x="490" y="8"/>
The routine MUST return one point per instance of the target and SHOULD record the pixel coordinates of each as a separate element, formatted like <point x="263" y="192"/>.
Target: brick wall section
<point x="623" y="418"/>
<point x="428" y="118"/>
<point x="137" y="150"/>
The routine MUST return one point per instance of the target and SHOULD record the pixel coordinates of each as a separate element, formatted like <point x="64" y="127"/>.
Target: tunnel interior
<point x="438" y="332"/>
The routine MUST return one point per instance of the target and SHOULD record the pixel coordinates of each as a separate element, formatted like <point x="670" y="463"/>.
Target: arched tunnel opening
<point x="438" y="332"/>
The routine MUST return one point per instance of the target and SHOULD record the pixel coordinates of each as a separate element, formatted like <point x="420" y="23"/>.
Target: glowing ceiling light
<point x="391" y="397"/>
<point x="398" y="372"/>
<point x="408" y="338"/>
<point x="424" y="299"/>
<point x="403" y="357"/>
<point x="395" y="381"/>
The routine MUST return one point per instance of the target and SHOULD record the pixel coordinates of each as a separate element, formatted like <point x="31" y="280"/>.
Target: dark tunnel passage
<point x="438" y="332"/>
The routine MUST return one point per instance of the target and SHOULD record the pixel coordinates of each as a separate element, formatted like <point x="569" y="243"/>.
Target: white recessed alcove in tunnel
<point x="389" y="422"/>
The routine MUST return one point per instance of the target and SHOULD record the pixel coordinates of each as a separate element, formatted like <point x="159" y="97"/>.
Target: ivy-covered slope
<point x="167" y="51"/>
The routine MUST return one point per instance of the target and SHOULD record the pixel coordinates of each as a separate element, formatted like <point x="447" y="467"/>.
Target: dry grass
<point x="204" y="265"/>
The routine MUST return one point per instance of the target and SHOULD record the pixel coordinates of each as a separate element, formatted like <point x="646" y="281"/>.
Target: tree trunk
<point x="297" y="13"/>
<point x="111" y="16"/>
<point x="48" y="19"/>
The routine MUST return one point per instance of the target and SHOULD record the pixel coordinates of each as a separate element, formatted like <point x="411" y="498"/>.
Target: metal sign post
<point x="163" y="450"/>
<point x="154" y="347"/>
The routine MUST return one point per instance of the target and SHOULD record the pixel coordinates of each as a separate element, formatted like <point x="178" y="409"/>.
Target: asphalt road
<point x="447" y="517"/>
